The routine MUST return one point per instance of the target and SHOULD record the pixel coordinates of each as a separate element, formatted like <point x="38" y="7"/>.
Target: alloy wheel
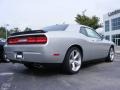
<point x="112" y="54"/>
<point x="75" y="60"/>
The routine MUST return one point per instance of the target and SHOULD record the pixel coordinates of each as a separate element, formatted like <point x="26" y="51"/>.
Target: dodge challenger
<point x="65" y="44"/>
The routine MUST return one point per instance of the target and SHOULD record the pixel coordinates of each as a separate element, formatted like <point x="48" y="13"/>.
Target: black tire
<point x="2" y="54"/>
<point x="109" y="58"/>
<point x="67" y="67"/>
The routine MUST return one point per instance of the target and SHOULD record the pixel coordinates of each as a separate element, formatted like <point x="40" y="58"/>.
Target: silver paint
<point x="59" y="42"/>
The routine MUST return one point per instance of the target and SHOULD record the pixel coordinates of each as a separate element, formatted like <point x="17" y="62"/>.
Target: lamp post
<point x="83" y="12"/>
<point x="6" y="25"/>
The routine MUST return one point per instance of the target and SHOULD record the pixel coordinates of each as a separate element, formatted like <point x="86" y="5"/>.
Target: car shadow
<point x="91" y="63"/>
<point x="55" y="71"/>
<point x="43" y="72"/>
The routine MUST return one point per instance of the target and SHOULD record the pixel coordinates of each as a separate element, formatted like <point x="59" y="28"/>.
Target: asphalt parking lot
<point x="93" y="76"/>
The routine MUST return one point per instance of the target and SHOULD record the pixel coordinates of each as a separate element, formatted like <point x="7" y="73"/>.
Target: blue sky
<point x="40" y="13"/>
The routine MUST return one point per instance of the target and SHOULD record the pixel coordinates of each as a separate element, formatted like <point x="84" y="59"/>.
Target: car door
<point x="98" y="48"/>
<point x="88" y="45"/>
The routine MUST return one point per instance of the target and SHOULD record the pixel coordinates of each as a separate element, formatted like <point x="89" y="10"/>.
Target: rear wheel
<point x="111" y="55"/>
<point x="73" y="61"/>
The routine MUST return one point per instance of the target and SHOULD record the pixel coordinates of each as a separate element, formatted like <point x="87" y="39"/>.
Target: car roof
<point x="74" y="27"/>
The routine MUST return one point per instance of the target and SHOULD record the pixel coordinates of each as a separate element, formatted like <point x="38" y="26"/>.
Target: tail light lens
<point x="40" y="39"/>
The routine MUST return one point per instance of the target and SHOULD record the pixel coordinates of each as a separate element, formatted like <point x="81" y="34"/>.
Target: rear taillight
<point x="39" y="39"/>
<point x="12" y="40"/>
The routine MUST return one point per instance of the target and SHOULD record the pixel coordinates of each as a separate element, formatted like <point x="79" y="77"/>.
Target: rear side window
<point x="55" y="28"/>
<point x="83" y="31"/>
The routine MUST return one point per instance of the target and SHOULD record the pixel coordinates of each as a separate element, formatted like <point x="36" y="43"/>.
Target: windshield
<point x="55" y="28"/>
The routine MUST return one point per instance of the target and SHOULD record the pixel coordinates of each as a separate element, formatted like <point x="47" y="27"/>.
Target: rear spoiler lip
<point x="33" y="34"/>
<point x="28" y="32"/>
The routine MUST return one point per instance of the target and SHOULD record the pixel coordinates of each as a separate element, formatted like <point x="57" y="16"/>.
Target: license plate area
<point x="19" y="55"/>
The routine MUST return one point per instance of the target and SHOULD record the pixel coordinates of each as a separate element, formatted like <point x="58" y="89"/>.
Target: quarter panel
<point x="61" y="44"/>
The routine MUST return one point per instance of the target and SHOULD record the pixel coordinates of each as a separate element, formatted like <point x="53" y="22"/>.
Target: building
<point x="112" y="26"/>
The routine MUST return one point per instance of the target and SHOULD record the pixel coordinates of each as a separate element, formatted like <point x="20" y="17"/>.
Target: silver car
<point x="67" y="45"/>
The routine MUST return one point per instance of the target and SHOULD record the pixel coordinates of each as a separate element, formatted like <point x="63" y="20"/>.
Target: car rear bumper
<point x="31" y="53"/>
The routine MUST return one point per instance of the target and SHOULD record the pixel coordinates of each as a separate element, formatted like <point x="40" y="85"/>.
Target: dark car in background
<point x="2" y="43"/>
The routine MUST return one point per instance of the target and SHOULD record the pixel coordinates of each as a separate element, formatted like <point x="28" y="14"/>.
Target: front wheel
<point x="111" y="55"/>
<point x="73" y="60"/>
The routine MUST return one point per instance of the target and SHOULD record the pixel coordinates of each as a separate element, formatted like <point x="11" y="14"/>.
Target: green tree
<point x="88" y="21"/>
<point x="3" y="32"/>
<point x="14" y="30"/>
<point x="28" y="29"/>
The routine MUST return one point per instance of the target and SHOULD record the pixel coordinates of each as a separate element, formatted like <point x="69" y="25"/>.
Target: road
<point x="93" y="76"/>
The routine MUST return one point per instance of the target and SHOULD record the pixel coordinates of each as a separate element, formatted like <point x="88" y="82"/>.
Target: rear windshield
<point x="55" y="28"/>
<point x="43" y="30"/>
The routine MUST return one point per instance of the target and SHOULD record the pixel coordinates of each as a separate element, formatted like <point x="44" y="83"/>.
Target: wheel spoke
<point x="73" y="66"/>
<point x="77" y="63"/>
<point x="76" y="56"/>
<point x="71" y="61"/>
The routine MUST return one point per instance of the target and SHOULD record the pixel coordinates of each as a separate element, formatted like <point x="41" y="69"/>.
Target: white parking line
<point x="6" y="73"/>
